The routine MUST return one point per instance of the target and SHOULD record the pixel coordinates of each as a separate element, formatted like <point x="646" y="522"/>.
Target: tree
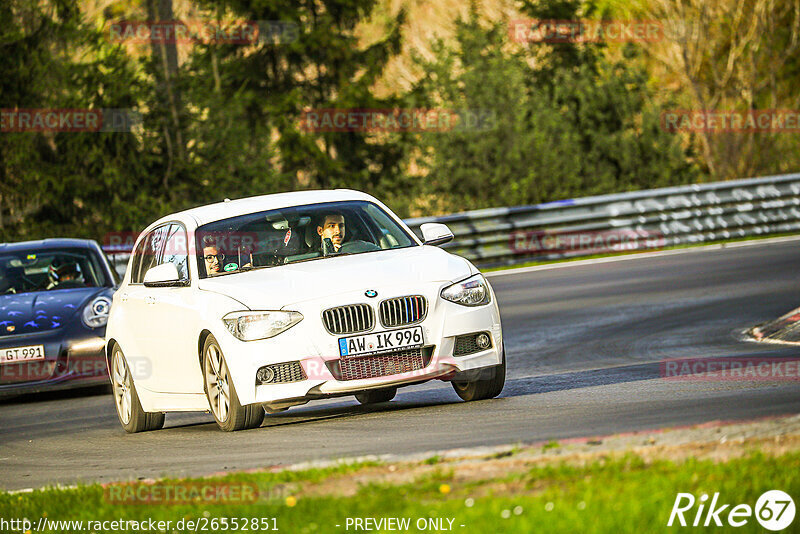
<point x="733" y="56"/>
<point x="60" y="182"/>
<point x="567" y="122"/>
<point x="318" y="63"/>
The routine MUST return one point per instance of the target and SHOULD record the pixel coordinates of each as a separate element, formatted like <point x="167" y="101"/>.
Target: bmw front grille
<point x="349" y="319"/>
<point x="403" y="311"/>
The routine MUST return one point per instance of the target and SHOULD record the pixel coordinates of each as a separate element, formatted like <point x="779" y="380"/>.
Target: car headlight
<point x="95" y="314"/>
<point x="474" y="291"/>
<point x="249" y="326"/>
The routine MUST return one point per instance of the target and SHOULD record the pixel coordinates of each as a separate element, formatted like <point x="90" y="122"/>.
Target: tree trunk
<point x="165" y="56"/>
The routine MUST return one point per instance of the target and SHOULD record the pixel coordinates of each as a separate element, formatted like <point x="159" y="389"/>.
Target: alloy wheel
<point x="217" y="382"/>
<point x="122" y="387"/>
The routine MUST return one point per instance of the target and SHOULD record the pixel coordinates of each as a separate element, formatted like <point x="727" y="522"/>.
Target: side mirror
<point x="164" y="275"/>
<point x="435" y="234"/>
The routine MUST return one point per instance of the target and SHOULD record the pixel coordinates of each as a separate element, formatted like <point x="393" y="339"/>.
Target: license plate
<point x="406" y="338"/>
<point x="22" y="354"/>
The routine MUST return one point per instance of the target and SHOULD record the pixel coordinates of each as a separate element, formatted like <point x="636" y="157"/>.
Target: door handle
<point x="149" y="300"/>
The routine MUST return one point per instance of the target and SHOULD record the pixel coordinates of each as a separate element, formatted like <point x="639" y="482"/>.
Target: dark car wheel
<point x="375" y="396"/>
<point x="222" y="398"/>
<point x="489" y="384"/>
<point x="129" y="410"/>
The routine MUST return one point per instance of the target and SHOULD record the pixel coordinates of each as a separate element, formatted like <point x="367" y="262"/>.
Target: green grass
<point x="621" y="495"/>
<point x="633" y="253"/>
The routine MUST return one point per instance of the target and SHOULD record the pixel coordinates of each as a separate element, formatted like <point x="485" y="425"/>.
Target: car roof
<point x="47" y="244"/>
<point x="233" y="208"/>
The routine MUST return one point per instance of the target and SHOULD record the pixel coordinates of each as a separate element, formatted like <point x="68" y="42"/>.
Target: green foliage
<point x="624" y="494"/>
<point x="67" y="183"/>
<point x="573" y="124"/>
<point x="324" y="67"/>
<point x="225" y="121"/>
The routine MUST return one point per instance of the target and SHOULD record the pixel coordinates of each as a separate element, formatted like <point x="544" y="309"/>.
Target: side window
<point x="391" y="235"/>
<point x="176" y="249"/>
<point x="148" y="253"/>
<point x="138" y="257"/>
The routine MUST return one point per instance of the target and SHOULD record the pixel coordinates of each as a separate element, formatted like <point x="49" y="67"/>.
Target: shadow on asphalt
<point x="619" y="375"/>
<point x="581" y="379"/>
<point x="410" y="399"/>
<point x="84" y="391"/>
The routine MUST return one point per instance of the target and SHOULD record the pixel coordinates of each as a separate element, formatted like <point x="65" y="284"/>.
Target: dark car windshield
<point x="31" y="270"/>
<point x="295" y="234"/>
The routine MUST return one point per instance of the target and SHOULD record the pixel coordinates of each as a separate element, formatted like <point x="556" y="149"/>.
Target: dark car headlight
<point x="95" y="314"/>
<point x="474" y="291"/>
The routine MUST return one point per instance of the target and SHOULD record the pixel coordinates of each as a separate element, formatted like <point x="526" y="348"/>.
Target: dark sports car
<point x="54" y="300"/>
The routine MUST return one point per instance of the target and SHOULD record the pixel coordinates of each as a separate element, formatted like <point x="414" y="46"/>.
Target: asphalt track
<point x="584" y="345"/>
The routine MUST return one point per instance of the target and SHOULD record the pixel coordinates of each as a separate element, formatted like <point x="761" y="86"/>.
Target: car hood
<point x="277" y="287"/>
<point x="41" y="311"/>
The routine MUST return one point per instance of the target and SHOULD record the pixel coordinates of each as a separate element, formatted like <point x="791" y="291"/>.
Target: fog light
<point x="266" y="375"/>
<point x="483" y="341"/>
<point x="280" y="373"/>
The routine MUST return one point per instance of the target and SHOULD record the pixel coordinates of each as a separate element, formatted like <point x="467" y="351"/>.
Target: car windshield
<point x="32" y="270"/>
<point x="295" y="234"/>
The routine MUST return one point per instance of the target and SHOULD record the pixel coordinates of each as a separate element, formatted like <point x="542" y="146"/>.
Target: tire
<point x="483" y="388"/>
<point x="129" y="410"/>
<point x="223" y="401"/>
<point x="375" y="396"/>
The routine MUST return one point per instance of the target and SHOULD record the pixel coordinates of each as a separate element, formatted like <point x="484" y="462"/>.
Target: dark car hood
<point x="41" y="311"/>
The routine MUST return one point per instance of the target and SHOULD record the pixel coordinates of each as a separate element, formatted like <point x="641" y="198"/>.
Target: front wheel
<point x="129" y="410"/>
<point x="222" y="398"/>
<point x="374" y="396"/>
<point x="488" y="385"/>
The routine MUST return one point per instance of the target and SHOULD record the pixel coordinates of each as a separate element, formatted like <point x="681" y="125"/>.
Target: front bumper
<point x="71" y="360"/>
<point x="309" y="344"/>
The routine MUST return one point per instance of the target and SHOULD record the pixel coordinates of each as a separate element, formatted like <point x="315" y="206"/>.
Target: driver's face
<point x="333" y="229"/>
<point x="211" y="256"/>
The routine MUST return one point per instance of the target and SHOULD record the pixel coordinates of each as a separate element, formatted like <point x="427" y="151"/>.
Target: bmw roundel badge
<point x="371" y="293"/>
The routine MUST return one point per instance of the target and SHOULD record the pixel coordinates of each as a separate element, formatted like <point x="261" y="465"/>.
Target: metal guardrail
<point x="637" y="220"/>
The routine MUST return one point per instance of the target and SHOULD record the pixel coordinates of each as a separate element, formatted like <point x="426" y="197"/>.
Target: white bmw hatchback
<point x="268" y="302"/>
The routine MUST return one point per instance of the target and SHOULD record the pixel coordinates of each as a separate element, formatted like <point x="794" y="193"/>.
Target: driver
<point x="331" y="226"/>
<point x="64" y="276"/>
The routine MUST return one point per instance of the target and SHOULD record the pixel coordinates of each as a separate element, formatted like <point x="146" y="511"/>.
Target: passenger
<point x="212" y="256"/>
<point x="215" y="259"/>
